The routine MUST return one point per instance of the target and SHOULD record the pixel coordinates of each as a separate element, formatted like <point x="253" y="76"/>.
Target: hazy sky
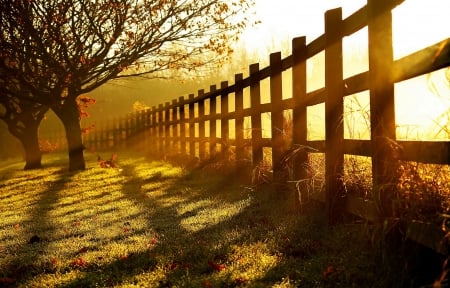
<point x="417" y="24"/>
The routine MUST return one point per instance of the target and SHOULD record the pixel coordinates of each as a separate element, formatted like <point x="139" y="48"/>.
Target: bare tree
<point x="60" y="49"/>
<point x="22" y="117"/>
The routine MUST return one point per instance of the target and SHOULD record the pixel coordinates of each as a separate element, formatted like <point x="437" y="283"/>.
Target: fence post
<point x="276" y="99"/>
<point x="201" y="126"/>
<point x="382" y="108"/>
<point x="147" y="125"/>
<point x="96" y="138"/>
<point x="299" y="117"/>
<point x="191" y="126"/>
<point x="167" y="140"/>
<point x="120" y="132"/>
<point x="224" y="127"/>
<point x="160" y="131"/>
<point x="241" y="156"/>
<point x="255" y="102"/>
<point x="114" y="133"/>
<point x="139" y="129"/>
<point x="154" y="132"/>
<point x="175" y="124"/>
<point x="334" y="115"/>
<point x="212" y="123"/>
<point x="182" y="126"/>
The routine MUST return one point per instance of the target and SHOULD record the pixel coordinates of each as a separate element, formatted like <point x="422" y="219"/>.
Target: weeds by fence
<point x="201" y="125"/>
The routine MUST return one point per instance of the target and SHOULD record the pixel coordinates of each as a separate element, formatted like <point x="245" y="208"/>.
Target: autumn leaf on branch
<point x="71" y="47"/>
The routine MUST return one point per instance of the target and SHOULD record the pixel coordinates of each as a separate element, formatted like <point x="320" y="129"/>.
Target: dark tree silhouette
<point x="22" y="117"/>
<point x="60" y="49"/>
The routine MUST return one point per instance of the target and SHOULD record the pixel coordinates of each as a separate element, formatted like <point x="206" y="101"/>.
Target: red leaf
<point x="173" y="265"/>
<point x="79" y="262"/>
<point x="83" y="250"/>
<point x="207" y="284"/>
<point x="240" y="281"/>
<point x="329" y="271"/>
<point x="7" y="280"/>
<point x="216" y="267"/>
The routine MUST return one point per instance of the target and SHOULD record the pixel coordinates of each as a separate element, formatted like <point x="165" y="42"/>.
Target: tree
<point x="22" y="117"/>
<point x="61" y="49"/>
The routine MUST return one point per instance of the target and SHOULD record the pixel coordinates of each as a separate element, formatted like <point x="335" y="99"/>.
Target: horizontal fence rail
<point x="200" y="127"/>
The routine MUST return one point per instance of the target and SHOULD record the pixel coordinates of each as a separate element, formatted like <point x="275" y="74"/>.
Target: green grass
<point x="150" y="224"/>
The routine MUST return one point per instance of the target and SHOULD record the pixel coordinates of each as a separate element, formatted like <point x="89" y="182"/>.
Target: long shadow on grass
<point x="37" y="230"/>
<point x="184" y="251"/>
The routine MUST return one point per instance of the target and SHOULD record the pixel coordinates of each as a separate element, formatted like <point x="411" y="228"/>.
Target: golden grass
<point x="151" y="224"/>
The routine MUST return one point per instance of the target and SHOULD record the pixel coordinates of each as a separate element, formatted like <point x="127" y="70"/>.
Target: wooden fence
<point x="190" y="126"/>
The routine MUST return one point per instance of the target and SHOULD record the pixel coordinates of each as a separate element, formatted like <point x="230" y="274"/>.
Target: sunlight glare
<point x="416" y="25"/>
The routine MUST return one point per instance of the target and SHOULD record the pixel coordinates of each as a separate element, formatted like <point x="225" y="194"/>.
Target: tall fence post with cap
<point x="201" y="126"/>
<point x="382" y="107"/>
<point x="334" y="115"/>
<point x="191" y="126"/>
<point x="277" y="127"/>
<point x="175" y="128"/>
<point x="299" y="117"/>
<point x="182" y="126"/>
<point x="255" y="102"/>
<point x="212" y="123"/>
<point x="224" y="127"/>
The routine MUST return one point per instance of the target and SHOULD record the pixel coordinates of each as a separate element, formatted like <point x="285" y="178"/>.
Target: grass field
<point x="150" y="224"/>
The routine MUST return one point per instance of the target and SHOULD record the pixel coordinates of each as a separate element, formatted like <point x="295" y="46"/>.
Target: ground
<point x="144" y="223"/>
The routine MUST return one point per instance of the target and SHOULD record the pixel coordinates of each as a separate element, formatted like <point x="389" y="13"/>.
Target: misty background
<point x="416" y="25"/>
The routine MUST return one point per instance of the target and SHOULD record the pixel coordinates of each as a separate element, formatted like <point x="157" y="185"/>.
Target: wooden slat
<point x="427" y="60"/>
<point x="426" y="152"/>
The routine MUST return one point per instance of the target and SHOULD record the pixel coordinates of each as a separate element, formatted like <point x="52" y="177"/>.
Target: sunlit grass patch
<point x="151" y="224"/>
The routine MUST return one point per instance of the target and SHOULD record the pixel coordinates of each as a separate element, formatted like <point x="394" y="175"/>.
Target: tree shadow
<point x="37" y="228"/>
<point x="176" y="246"/>
<point x="186" y="251"/>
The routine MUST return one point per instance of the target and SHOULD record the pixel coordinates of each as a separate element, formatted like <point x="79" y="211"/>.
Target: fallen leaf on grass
<point x="240" y="281"/>
<point x="328" y="271"/>
<point x="216" y="267"/>
<point x="207" y="284"/>
<point x="7" y="280"/>
<point x="79" y="262"/>
<point x="172" y="265"/>
<point x="83" y="250"/>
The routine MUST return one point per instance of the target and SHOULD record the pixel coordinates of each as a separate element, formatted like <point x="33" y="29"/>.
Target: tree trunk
<point x="28" y="136"/>
<point x="70" y="117"/>
<point x="30" y="143"/>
